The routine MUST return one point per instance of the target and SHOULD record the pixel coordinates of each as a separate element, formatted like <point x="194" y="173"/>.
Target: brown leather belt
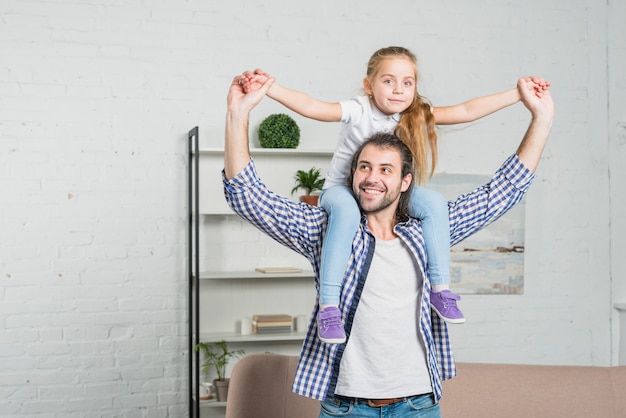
<point x="377" y="403"/>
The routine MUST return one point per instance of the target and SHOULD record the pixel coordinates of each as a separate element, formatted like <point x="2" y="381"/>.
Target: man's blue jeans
<point x="420" y="406"/>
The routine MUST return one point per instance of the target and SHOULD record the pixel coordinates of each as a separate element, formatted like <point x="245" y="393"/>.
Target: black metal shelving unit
<point x="194" y="272"/>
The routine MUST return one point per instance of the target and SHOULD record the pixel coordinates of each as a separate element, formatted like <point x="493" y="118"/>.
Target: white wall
<point x="617" y="169"/>
<point x="96" y="98"/>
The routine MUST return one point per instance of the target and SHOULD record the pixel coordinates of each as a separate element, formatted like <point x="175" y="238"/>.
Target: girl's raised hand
<point x="538" y="85"/>
<point x="254" y="80"/>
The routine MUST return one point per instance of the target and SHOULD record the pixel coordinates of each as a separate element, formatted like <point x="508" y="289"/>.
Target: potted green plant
<point x="218" y="355"/>
<point x="279" y="131"/>
<point x="310" y="181"/>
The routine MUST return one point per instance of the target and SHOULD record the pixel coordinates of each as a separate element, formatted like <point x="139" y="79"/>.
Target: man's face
<point x="377" y="182"/>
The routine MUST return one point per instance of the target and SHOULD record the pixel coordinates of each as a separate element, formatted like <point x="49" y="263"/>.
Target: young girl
<point x="391" y="104"/>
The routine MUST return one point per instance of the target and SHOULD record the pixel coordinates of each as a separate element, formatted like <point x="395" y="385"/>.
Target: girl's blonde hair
<point x="417" y="123"/>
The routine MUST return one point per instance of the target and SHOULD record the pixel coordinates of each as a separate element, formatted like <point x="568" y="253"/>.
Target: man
<point x="396" y="354"/>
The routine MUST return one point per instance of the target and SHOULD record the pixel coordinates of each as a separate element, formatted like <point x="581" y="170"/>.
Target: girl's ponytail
<point x="417" y="130"/>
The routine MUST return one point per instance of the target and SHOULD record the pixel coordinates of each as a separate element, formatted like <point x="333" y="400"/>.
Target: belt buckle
<point x="383" y="402"/>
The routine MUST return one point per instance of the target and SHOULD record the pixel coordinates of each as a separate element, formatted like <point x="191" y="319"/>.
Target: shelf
<point x="276" y="166"/>
<point x="235" y="337"/>
<point x="218" y="298"/>
<point x="234" y="275"/>
<point x="272" y="151"/>
<point x="218" y="212"/>
<point x="212" y="404"/>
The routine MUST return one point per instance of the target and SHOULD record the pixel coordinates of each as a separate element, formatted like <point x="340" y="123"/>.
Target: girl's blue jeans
<point x="420" y="406"/>
<point x="343" y="222"/>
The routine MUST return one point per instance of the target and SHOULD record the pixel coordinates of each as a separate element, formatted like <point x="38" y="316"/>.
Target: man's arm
<point x="296" y="225"/>
<point x="542" y="109"/>
<point x="239" y="106"/>
<point x="473" y="211"/>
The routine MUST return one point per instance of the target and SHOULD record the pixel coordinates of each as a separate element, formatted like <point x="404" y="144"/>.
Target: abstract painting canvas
<point x="492" y="260"/>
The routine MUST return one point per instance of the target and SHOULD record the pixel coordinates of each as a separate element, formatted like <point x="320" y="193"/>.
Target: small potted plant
<point x="279" y="131"/>
<point x="310" y="181"/>
<point x="217" y="355"/>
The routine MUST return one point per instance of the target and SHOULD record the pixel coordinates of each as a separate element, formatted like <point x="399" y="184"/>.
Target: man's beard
<point x="389" y="197"/>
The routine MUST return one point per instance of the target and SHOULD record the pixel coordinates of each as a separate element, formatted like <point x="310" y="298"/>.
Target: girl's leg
<point x="432" y="209"/>
<point x="343" y="222"/>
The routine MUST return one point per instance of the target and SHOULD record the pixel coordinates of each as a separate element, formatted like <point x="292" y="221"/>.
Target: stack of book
<point x="271" y="324"/>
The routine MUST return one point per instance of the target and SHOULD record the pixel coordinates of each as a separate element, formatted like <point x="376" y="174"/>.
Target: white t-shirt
<point x="385" y="355"/>
<point x="360" y="120"/>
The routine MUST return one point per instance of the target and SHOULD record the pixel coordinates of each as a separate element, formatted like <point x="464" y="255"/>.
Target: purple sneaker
<point x="329" y="326"/>
<point x="444" y="304"/>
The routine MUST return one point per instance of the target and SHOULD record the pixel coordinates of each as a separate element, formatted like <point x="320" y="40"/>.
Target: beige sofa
<point x="260" y="387"/>
<point x="525" y="391"/>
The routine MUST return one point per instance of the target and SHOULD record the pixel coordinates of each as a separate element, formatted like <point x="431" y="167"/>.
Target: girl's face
<point x="393" y="86"/>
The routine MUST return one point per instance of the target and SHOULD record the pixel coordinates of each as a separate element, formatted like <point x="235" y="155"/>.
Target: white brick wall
<point x="617" y="169"/>
<point x="96" y="98"/>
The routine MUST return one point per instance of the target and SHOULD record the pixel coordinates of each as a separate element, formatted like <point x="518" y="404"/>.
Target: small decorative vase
<point x="221" y="389"/>
<point x="311" y="199"/>
<point x="205" y="391"/>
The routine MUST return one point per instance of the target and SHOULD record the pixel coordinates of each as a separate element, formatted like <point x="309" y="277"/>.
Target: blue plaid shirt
<point x="302" y="228"/>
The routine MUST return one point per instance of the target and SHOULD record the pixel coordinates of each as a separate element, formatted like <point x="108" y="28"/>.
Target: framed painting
<point x="492" y="260"/>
